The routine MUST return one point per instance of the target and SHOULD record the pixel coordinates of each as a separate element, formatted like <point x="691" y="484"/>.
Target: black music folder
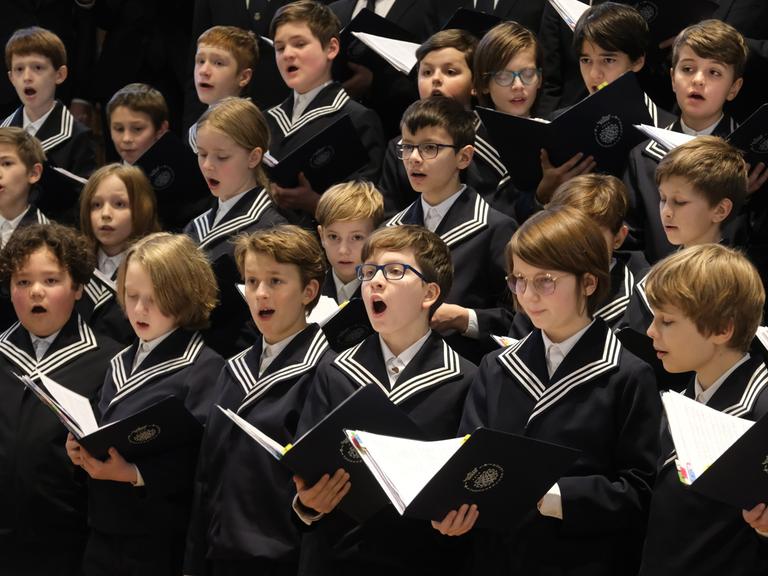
<point x="601" y="125"/>
<point x="325" y="448"/>
<point x="326" y="158"/>
<point x="720" y="456"/>
<point x="751" y="137"/>
<point x="57" y="194"/>
<point x="474" y="22"/>
<point x="504" y="474"/>
<point x="666" y="19"/>
<point x="350" y="325"/>
<point x="158" y="428"/>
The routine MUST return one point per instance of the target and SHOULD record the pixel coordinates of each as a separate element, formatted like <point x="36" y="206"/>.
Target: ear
<point x="310" y="291"/>
<point x="431" y="295"/>
<point x="254" y="158"/>
<point x="79" y="292"/>
<point x="620" y="236"/>
<point x="735" y="87"/>
<point x="245" y="77"/>
<point x="722" y="210"/>
<point x="464" y="156"/>
<point x="589" y="284"/>
<point x="723" y="337"/>
<point x="164" y="127"/>
<point x="320" y="235"/>
<point x="61" y="74"/>
<point x="333" y="48"/>
<point x="638" y="64"/>
<point x="35" y="173"/>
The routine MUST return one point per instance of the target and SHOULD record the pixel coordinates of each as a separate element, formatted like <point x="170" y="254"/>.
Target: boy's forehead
<point x="27" y="57"/>
<point x="436" y="134"/>
<point x="257" y="261"/>
<point x="449" y="54"/>
<point x="212" y="49"/>
<point x="126" y="114"/>
<point x="387" y="255"/>
<point x="687" y="53"/>
<point x="359" y="224"/>
<point x="38" y="260"/>
<point x="294" y="29"/>
<point x="9" y="151"/>
<point x="588" y="47"/>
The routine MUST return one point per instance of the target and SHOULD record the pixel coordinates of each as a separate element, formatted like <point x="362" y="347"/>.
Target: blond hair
<point x="286" y="244"/>
<point x="713" y="286"/>
<point x="242" y="44"/>
<point x="715" y="40"/>
<point x="348" y="201"/>
<point x="600" y="196"/>
<point x="183" y="281"/>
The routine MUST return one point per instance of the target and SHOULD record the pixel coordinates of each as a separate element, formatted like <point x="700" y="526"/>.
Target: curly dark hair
<point x="71" y="249"/>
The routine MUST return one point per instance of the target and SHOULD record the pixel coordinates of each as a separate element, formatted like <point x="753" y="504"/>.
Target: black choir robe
<point x="688" y="532"/>
<point x="42" y="494"/>
<point x="231" y="327"/>
<point x="243" y="495"/>
<point x="101" y="310"/>
<point x="431" y="390"/>
<point x="601" y="400"/>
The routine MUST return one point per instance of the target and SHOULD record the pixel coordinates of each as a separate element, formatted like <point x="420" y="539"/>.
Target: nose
<point x="204" y="68"/>
<point x="698" y="77"/>
<point x="517" y="81"/>
<point x="262" y="290"/>
<point x="665" y="209"/>
<point x="344" y="247"/>
<point x="437" y="78"/>
<point x="37" y="290"/>
<point x="651" y="332"/>
<point x="106" y="212"/>
<point x="26" y="73"/>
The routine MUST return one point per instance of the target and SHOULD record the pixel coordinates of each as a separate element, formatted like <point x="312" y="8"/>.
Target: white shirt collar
<point x="301" y="101"/>
<point x="557" y="351"/>
<point x="226" y="205"/>
<point x="706" y="132"/>
<point x="7" y="227"/>
<point x="344" y="291"/>
<point x="704" y="396"/>
<point x="381" y="7"/>
<point x="109" y="264"/>
<point x="433" y="215"/>
<point x="271" y="351"/>
<point x="41" y="345"/>
<point x="32" y="127"/>
<point x="396" y="364"/>
<point x="145" y="347"/>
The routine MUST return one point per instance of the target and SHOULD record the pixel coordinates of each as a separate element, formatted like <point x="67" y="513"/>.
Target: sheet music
<point x="570" y="10"/>
<point x="274" y="448"/>
<point x="403" y="466"/>
<point x="700" y="433"/>
<point x="401" y="55"/>
<point x="76" y="406"/>
<point x="669" y="139"/>
<point x="325" y="309"/>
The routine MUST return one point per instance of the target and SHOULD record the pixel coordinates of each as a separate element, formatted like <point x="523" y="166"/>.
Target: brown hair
<point x="36" y="40"/>
<point x="139" y="97"/>
<point x="69" y="247"/>
<point x="461" y="40"/>
<point x="431" y="254"/>
<point x="286" y="244"/>
<point x="562" y="238"/>
<point x="242" y="44"/>
<point x="183" y="281"/>
<point x="441" y="112"/>
<point x="27" y="147"/>
<point x="241" y="120"/>
<point x="716" y="40"/>
<point x="319" y="18"/>
<point x="499" y="45"/>
<point x="714" y="287"/>
<point x="141" y="198"/>
<point x="600" y="196"/>
<point x="355" y="200"/>
<point x="614" y="27"/>
<point x="715" y="169"/>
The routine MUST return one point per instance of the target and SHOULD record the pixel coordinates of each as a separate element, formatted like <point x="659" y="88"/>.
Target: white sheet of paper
<point x="403" y="466"/>
<point x="701" y="434"/>
<point x="570" y="10"/>
<point x="274" y="448"/>
<point x="667" y="138"/>
<point x="323" y="311"/>
<point x="401" y="55"/>
<point x="78" y="407"/>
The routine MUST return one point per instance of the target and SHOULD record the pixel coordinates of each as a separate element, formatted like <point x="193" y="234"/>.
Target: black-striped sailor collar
<point x="467" y="217"/>
<point x="57" y="128"/>
<point x="75" y="339"/>
<point x="330" y="100"/>
<point x="434" y="364"/>
<point x="596" y="353"/>
<point x="177" y="351"/>
<point x="247" y="211"/>
<point x="300" y="356"/>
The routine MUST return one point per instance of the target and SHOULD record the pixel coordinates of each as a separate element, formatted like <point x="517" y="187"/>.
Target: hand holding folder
<point x="503" y="474"/>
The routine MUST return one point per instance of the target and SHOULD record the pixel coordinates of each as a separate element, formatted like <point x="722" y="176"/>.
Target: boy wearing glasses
<point x="405" y="275"/>
<point x="437" y="144"/>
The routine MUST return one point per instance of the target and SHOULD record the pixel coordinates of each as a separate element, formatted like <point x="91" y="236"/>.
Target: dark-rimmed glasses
<point x="505" y="78"/>
<point x="427" y="150"/>
<point x="391" y="271"/>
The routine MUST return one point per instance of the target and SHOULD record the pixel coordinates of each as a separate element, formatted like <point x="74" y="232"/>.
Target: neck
<point x="719" y="364"/>
<point x="298" y="327"/>
<point x="250" y="185"/>
<point x="435" y="197"/>
<point x="320" y="82"/>
<point x="113" y="250"/>
<point x="699" y="124"/>
<point x="39" y="111"/>
<point x="345" y="279"/>
<point x="712" y="236"/>
<point x="403" y="339"/>
<point x="13" y="210"/>
<point x="561" y="334"/>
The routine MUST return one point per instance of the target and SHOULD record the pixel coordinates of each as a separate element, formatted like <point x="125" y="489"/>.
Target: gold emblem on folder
<point x="144" y="434"/>
<point x="483" y="478"/>
<point x="348" y="452"/>
<point x="765" y="465"/>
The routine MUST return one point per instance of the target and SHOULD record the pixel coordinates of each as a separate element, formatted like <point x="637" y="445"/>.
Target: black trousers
<point x="124" y="555"/>
<point x="59" y="553"/>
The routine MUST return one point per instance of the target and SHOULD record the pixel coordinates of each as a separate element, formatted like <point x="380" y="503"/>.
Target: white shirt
<point x="225" y="206"/>
<point x="146" y="347"/>
<point x="8" y="226"/>
<point x="396" y="364"/>
<point x="433" y="215"/>
<point x="301" y="101"/>
<point x="704" y="396"/>
<point x="381" y="7"/>
<point x="496" y="3"/>
<point x="344" y="291"/>
<point x="271" y="351"/>
<point x="557" y="351"/>
<point x="41" y="345"/>
<point x="706" y="132"/>
<point x="108" y="264"/>
<point x="32" y="127"/>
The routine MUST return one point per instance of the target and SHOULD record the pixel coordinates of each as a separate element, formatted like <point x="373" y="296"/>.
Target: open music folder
<point x="324" y="448"/>
<point x="504" y="474"/>
<point x="163" y="426"/>
<point x="720" y="456"/>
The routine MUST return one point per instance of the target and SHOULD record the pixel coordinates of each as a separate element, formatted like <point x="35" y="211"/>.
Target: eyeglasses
<point x="507" y="77"/>
<point x="391" y="271"/>
<point x="427" y="150"/>
<point x="543" y="284"/>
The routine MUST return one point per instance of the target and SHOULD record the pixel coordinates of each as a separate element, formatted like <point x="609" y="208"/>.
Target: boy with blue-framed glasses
<point x="405" y="275"/>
